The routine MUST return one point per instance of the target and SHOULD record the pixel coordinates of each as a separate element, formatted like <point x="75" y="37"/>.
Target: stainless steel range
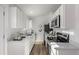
<point x="60" y="37"/>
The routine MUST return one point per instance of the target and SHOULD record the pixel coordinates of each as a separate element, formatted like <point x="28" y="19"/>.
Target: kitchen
<point x="27" y="25"/>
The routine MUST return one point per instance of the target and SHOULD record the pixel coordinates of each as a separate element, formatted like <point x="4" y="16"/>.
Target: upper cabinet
<point x="67" y="14"/>
<point x="17" y="18"/>
<point x="55" y="20"/>
<point x="62" y="15"/>
<point x="56" y="13"/>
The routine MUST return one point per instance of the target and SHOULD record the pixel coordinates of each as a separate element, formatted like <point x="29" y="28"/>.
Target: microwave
<point x="55" y="23"/>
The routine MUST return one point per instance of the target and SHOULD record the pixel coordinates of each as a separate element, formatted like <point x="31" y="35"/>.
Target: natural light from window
<point x="30" y="24"/>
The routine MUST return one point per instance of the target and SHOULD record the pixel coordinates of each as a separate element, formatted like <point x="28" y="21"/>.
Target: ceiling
<point x="33" y="10"/>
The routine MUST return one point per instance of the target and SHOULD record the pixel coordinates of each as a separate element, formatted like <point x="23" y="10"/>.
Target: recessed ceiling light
<point x="31" y="12"/>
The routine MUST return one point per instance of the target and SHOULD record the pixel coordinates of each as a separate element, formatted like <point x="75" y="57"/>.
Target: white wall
<point x="72" y="22"/>
<point x="70" y="16"/>
<point x="75" y="37"/>
<point x="41" y="20"/>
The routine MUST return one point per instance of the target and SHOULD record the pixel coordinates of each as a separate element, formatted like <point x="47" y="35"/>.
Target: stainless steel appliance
<point x="60" y="37"/>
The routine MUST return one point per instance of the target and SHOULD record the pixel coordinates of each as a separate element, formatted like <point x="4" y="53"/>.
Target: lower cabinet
<point x="29" y="45"/>
<point x="16" y="48"/>
<point x="22" y="47"/>
<point x="63" y="52"/>
<point x="55" y="50"/>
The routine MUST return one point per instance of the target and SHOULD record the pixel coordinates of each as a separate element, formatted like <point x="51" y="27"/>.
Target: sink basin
<point x="19" y="38"/>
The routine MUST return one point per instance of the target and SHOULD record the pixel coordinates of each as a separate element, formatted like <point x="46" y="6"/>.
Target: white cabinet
<point x="22" y="47"/>
<point x="62" y="16"/>
<point x="63" y="49"/>
<point x="16" y="47"/>
<point x="67" y="16"/>
<point x="56" y="13"/>
<point x="17" y="18"/>
<point x="29" y="44"/>
<point x="60" y="11"/>
<point x="63" y="52"/>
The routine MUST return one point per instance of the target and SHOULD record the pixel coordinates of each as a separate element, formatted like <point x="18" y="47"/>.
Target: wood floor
<point x="39" y="49"/>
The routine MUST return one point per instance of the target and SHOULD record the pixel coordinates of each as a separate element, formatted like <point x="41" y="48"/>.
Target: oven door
<point x="62" y="39"/>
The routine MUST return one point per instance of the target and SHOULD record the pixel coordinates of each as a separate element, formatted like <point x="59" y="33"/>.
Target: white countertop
<point x="59" y="45"/>
<point x="56" y="45"/>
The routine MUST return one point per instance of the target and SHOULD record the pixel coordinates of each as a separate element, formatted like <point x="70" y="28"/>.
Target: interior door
<point x="1" y="30"/>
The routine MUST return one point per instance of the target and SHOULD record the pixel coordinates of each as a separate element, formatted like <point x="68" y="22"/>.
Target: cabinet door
<point x="62" y="16"/>
<point x="1" y="30"/>
<point x="19" y="18"/>
<point x="23" y="20"/>
<point x="16" y="17"/>
<point x="57" y="12"/>
<point x="12" y="17"/>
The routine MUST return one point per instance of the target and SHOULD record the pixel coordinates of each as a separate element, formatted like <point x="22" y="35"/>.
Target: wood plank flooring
<point x="39" y="49"/>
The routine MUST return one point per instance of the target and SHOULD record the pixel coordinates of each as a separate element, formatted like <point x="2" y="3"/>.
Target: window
<point x="30" y="24"/>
